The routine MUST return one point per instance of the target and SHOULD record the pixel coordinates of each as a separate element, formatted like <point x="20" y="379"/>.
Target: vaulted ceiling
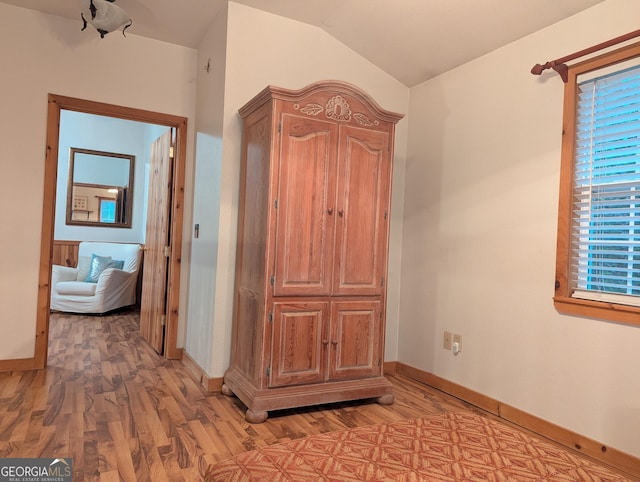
<point x="412" y="40"/>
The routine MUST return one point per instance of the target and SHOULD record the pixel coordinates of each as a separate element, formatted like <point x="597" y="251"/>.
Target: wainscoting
<point x="65" y="253"/>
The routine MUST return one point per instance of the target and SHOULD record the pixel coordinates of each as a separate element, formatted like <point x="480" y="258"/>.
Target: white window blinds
<point x="605" y="259"/>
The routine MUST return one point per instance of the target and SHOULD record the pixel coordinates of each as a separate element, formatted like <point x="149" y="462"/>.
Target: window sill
<point x="598" y="309"/>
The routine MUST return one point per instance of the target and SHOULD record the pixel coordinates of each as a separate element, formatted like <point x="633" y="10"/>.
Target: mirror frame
<point x="126" y="223"/>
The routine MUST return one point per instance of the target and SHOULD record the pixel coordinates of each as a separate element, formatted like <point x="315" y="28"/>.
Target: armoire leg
<point x="226" y="390"/>
<point x="256" y="417"/>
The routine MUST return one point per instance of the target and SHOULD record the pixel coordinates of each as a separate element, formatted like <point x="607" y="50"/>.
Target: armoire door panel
<point x="354" y="340"/>
<point x="298" y="354"/>
<point x="254" y="195"/>
<point x="305" y="205"/>
<point x="364" y="169"/>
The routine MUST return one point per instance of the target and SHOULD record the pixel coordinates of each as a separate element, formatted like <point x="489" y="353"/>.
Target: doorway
<point x="56" y="104"/>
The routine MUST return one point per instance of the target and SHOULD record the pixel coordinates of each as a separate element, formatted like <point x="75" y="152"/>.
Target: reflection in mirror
<point x="100" y="188"/>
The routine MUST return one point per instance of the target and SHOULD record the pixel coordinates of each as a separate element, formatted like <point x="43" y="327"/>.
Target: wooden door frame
<point x="56" y="103"/>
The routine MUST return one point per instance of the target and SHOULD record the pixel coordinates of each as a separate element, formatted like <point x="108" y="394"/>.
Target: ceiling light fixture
<point x="105" y="16"/>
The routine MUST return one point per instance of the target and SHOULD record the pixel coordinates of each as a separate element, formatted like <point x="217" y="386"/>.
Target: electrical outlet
<point x="447" y="340"/>
<point x="458" y="339"/>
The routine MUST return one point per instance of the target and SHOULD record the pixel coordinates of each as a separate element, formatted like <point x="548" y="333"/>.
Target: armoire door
<point x="299" y="341"/>
<point x="364" y="171"/>
<point x="305" y="206"/>
<point x="354" y="342"/>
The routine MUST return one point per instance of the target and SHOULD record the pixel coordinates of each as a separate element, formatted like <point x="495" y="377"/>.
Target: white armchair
<point x="105" y="278"/>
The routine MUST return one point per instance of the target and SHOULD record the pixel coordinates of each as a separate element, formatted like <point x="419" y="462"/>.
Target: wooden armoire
<point x="311" y="266"/>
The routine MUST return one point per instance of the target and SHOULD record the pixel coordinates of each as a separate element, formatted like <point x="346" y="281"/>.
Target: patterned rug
<point x="449" y="447"/>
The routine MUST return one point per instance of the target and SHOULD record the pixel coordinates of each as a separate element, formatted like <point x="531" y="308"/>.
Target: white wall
<point x="44" y="54"/>
<point x="479" y="239"/>
<point x="264" y="49"/>
<point x="206" y="209"/>
<point x="108" y="134"/>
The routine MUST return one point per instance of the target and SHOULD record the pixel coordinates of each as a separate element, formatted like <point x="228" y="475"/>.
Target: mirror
<point x="100" y="188"/>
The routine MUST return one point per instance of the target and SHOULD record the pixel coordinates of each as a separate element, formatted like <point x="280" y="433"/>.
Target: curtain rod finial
<point x="538" y="69"/>
<point x="561" y="69"/>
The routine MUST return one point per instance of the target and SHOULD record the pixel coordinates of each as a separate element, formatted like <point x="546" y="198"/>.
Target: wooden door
<point x="305" y="207"/>
<point x="354" y="348"/>
<point x="299" y="343"/>
<point x="154" y="274"/>
<point x="364" y="171"/>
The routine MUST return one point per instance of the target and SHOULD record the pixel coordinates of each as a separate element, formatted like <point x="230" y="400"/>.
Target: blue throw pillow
<point x="98" y="265"/>
<point x="116" y="263"/>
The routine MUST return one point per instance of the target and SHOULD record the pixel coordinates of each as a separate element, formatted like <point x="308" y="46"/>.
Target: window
<point x="107" y="210"/>
<point x="598" y="257"/>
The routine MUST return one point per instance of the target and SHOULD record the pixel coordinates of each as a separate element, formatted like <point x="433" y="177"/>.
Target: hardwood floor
<point x="121" y="412"/>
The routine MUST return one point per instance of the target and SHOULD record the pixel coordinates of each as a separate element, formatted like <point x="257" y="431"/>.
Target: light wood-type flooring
<point x="122" y="412"/>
